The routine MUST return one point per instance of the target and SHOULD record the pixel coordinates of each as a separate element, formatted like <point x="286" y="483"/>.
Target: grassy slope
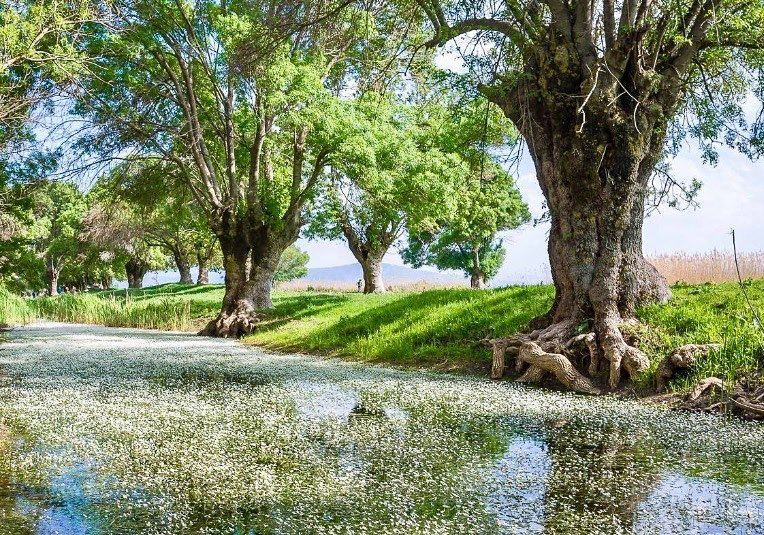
<point x="437" y="328"/>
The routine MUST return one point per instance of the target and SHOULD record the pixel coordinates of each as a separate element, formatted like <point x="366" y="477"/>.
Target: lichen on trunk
<point x="594" y="178"/>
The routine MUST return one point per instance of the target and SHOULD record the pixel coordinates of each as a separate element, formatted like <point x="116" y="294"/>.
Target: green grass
<point x="166" y="313"/>
<point x="704" y="313"/>
<point x="438" y="329"/>
<point x="13" y="309"/>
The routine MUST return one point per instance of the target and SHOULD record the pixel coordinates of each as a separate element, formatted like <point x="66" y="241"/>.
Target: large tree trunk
<point x="204" y="270"/>
<point x="237" y="314"/>
<point x="594" y="179"/>
<point x="184" y="267"/>
<point x="372" y="275"/>
<point x="268" y="246"/>
<point x="51" y="275"/>
<point x="249" y="273"/>
<point x="135" y="271"/>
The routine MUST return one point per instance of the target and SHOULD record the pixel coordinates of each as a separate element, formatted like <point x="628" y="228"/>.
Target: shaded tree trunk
<point x="237" y="314"/>
<point x="135" y="270"/>
<point x="51" y="275"/>
<point x="184" y="267"/>
<point x="249" y="273"/>
<point x="373" y="282"/>
<point x="369" y="252"/>
<point x="268" y="246"/>
<point x="204" y="255"/>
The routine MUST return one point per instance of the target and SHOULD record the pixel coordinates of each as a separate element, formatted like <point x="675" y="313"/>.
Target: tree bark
<point x="477" y="280"/>
<point x="268" y="246"/>
<point x="372" y="275"/>
<point x="204" y="270"/>
<point x="135" y="270"/>
<point x="204" y="275"/>
<point x="594" y="177"/>
<point x="51" y="274"/>
<point x="184" y="268"/>
<point x="249" y="273"/>
<point x="237" y="313"/>
<point x="477" y="277"/>
<point x="369" y="252"/>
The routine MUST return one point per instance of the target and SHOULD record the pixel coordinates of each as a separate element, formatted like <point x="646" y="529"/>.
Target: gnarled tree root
<point x="708" y="384"/>
<point x="682" y="358"/>
<point x="744" y="399"/>
<point x="542" y="362"/>
<point x="234" y="325"/>
<point x="560" y="349"/>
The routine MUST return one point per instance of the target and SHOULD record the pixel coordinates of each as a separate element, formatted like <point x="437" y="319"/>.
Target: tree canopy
<point x="467" y="240"/>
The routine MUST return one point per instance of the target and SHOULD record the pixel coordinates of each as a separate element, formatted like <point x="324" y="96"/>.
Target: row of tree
<point x="278" y="117"/>
<point x="61" y="238"/>
<point x="219" y="147"/>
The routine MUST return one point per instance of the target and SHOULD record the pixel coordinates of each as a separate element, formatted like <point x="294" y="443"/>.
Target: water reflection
<point x="680" y="504"/>
<point x="519" y="478"/>
<point x="207" y="437"/>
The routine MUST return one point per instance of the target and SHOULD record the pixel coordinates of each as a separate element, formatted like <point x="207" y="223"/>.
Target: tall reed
<point x="112" y="311"/>
<point x="713" y="266"/>
<point x="13" y="309"/>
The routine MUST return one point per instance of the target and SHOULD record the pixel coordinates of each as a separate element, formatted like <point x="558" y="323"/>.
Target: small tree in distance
<point x="467" y="241"/>
<point x="292" y="265"/>
<point x="388" y="178"/>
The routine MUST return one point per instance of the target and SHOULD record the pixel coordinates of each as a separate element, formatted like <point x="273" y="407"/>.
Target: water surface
<point x="123" y="431"/>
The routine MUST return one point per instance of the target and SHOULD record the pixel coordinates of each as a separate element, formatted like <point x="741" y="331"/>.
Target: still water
<point x="117" y="431"/>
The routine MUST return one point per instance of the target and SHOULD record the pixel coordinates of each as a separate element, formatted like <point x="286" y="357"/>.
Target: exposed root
<point x="755" y="410"/>
<point x="682" y="358"/>
<point x="500" y="348"/>
<point x="713" y="395"/>
<point x="533" y="374"/>
<point x="618" y="353"/>
<point x="239" y="323"/>
<point x="557" y="346"/>
<point x="710" y="383"/>
<point x="542" y="362"/>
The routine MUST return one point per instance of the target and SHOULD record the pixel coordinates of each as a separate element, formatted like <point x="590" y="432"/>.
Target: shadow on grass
<point x="435" y="325"/>
<point x="296" y="306"/>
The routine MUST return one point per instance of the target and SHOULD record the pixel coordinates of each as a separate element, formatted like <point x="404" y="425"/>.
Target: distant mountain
<point x="347" y="274"/>
<point x="391" y="273"/>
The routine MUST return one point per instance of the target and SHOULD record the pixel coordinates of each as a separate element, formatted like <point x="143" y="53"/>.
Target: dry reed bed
<point x="713" y="266"/>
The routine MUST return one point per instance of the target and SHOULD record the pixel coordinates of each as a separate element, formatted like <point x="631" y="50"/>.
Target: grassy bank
<point x="437" y="329"/>
<point x="13" y="309"/>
